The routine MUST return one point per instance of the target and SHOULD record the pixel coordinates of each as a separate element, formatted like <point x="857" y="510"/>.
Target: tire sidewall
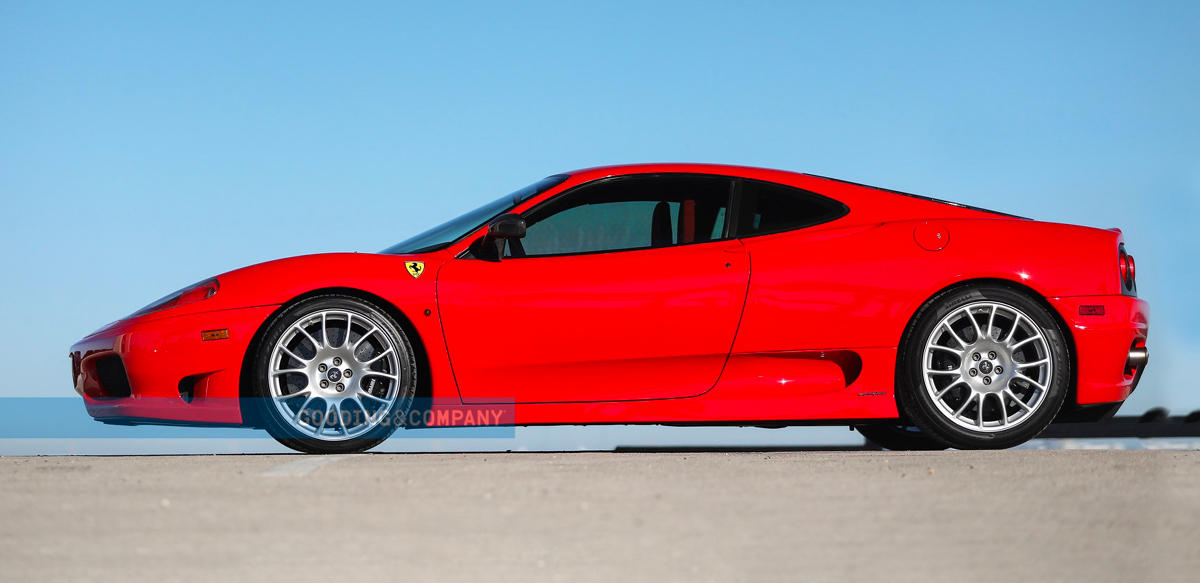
<point x="919" y="405"/>
<point x="263" y="403"/>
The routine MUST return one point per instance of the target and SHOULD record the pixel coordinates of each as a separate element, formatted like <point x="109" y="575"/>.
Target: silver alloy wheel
<point x="334" y="374"/>
<point x="987" y="366"/>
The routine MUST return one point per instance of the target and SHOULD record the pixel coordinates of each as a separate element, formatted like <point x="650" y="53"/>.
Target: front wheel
<point x="332" y="374"/>
<point x="984" y="367"/>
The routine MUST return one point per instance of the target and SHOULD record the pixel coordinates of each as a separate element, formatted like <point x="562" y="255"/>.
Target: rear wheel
<point x="898" y="438"/>
<point x="984" y="367"/>
<point x="333" y="374"/>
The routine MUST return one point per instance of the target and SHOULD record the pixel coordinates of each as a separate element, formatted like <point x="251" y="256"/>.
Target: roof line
<point x="918" y="196"/>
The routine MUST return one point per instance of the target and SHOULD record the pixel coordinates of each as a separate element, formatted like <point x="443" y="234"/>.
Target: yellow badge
<point x="415" y="268"/>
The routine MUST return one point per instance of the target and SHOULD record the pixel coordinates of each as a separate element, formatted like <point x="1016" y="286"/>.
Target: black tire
<point x="897" y="438"/>
<point x="934" y="419"/>
<point x="281" y="428"/>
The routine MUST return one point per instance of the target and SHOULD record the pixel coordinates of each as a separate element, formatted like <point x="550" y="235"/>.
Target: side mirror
<point x="500" y="230"/>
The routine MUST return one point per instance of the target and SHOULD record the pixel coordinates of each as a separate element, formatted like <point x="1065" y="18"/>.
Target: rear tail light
<point x="1128" y="271"/>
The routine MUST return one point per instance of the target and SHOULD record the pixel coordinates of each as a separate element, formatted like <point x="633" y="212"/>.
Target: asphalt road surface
<point x="797" y="516"/>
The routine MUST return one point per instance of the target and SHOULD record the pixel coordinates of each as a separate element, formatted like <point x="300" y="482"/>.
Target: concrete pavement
<point x="811" y="516"/>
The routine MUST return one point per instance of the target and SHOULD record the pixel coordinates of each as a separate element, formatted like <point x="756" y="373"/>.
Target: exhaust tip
<point x="1138" y="357"/>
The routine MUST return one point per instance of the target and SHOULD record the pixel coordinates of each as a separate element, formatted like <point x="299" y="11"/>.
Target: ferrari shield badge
<point x="415" y="268"/>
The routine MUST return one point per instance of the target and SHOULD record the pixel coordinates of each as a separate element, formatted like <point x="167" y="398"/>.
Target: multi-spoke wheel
<point x="983" y="367"/>
<point x="333" y="375"/>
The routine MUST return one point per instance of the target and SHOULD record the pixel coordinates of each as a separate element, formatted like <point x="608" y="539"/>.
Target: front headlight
<point x="190" y="294"/>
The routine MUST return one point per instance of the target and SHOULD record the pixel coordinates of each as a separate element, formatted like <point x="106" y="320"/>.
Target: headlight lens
<point x="190" y="294"/>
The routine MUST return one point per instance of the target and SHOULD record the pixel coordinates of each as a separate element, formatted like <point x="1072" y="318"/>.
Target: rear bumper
<point x="1107" y="344"/>
<point x="162" y="369"/>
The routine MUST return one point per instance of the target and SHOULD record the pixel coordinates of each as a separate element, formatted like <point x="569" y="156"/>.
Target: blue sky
<point x="145" y="146"/>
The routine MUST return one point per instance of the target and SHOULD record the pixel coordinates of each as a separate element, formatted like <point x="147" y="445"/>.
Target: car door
<point x="622" y="289"/>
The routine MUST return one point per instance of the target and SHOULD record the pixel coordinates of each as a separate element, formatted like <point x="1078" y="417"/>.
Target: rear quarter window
<point x="767" y="208"/>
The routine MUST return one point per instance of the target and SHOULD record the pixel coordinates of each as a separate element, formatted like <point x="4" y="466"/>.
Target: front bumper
<point x="162" y="369"/>
<point x="1108" y="345"/>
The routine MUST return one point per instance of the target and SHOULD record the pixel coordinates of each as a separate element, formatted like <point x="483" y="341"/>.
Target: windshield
<point x="450" y="231"/>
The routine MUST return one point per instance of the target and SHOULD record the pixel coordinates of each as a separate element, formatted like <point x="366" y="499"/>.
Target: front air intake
<point x="114" y="383"/>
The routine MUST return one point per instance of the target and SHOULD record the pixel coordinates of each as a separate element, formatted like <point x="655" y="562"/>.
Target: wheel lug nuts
<point x="975" y="356"/>
<point x="986" y="381"/>
<point x="322" y="368"/>
<point x="324" y="384"/>
<point x="341" y="387"/>
<point x="337" y="362"/>
<point x="974" y="372"/>
<point x="992" y="355"/>
<point x="349" y="373"/>
<point x="999" y="370"/>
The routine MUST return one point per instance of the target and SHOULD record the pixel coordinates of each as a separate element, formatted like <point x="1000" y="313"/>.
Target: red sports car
<point x="664" y="293"/>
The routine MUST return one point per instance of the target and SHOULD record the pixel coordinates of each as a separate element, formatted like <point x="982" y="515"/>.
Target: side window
<point x="773" y="208"/>
<point x="626" y="213"/>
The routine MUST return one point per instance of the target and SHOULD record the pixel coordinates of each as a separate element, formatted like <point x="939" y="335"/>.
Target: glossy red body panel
<point x="266" y="287"/>
<point x="852" y="287"/>
<point x="158" y="354"/>
<point x="648" y="324"/>
<point x="1102" y="344"/>
<point x="931" y="236"/>
<point x="791" y="327"/>
<point x="768" y="388"/>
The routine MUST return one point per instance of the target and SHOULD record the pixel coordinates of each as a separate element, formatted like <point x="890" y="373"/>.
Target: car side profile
<point x="654" y="294"/>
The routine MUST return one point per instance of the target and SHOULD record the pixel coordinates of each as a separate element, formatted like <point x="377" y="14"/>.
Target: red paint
<point x="647" y="324"/>
<point x="931" y="236"/>
<point x="1102" y="344"/>
<point x="790" y="327"/>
